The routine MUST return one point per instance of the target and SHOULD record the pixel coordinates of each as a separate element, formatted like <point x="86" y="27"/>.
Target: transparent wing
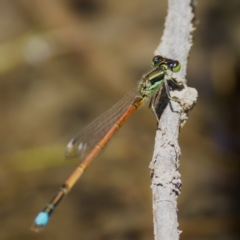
<point x="81" y="145"/>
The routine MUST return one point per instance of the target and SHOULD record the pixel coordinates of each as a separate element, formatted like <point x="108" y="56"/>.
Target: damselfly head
<point x="172" y="65"/>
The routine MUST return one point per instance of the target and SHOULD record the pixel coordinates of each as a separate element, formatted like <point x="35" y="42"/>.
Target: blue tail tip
<point x="41" y="219"/>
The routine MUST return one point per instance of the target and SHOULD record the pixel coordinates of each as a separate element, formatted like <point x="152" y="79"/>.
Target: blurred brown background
<point x="62" y="64"/>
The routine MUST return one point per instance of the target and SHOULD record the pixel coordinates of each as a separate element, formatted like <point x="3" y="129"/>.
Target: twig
<point x="166" y="183"/>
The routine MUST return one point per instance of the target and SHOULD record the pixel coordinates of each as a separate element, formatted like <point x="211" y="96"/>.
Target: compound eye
<point x="156" y="61"/>
<point x="174" y="65"/>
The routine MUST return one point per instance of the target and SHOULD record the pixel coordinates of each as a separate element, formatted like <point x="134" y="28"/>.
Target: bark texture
<point x="166" y="179"/>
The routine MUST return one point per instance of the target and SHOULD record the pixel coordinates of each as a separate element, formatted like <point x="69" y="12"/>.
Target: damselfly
<point x="91" y="140"/>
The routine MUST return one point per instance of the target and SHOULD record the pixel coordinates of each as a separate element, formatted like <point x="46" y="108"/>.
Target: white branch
<point x="166" y="183"/>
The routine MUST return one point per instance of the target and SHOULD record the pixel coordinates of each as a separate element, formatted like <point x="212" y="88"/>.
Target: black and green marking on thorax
<point x="153" y="81"/>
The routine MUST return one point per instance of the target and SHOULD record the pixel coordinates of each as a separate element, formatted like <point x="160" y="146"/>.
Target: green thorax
<point x="151" y="81"/>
